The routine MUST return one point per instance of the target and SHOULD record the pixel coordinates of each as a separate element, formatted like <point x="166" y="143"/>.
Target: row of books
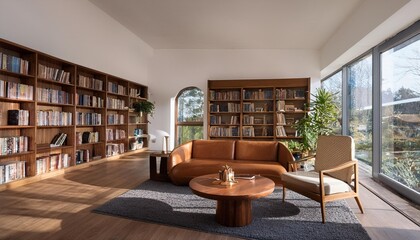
<point x="260" y="94"/>
<point x="138" y="132"/>
<point x="88" y="118"/>
<point x="52" y="162"/>
<point x="59" y="139"/>
<point x="248" y="131"/>
<point x="11" y="171"/>
<point x="260" y="119"/>
<point x="283" y="94"/>
<point x="82" y="155"/>
<point x="13" y="63"/>
<point x="225" y="107"/>
<point x="119" y="134"/>
<point x="53" y="118"/>
<point x="116" y="88"/>
<point x="115" y="103"/>
<point x="114" y="149"/>
<point x="115" y="118"/>
<point x="257" y="94"/>
<point x="134" y="92"/>
<point x="53" y="96"/>
<point x="16" y="90"/>
<point x="89" y="100"/>
<point x="280" y="105"/>
<point x="281" y="119"/>
<point x="11" y="145"/>
<point x="224" y="119"/>
<point x="90" y="82"/>
<point x="18" y="117"/>
<point x="280" y="131"/>
<point x="231" y="131"/>
<point x="87" y="137"/>
<point x="251" y="131"/>
<point x="54" y="74"/>
<point x="224" y="95"/>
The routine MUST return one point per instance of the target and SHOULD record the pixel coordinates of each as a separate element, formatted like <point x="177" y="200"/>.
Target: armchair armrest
<point x="180" y="154"/>
<point x="340" y="167"/>
<point x="352" y="163"/>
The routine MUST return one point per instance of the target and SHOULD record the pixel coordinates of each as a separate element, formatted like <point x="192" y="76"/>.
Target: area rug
<point x="297" y="218"/>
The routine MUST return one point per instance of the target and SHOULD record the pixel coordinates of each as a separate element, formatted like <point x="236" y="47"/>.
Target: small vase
<point x="139" y="117"/>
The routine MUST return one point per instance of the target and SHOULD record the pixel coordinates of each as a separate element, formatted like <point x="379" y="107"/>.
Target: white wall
<point x="173" y="70"/>
<point x="76" y="31"/>
<point x="370" y="24"/>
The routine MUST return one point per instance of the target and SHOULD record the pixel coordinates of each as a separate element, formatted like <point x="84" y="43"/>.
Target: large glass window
<point x="400" y="97"/>
<point x="334" y="84"/>
<point x="360" y="107"/>
<point x="189" y="115"/>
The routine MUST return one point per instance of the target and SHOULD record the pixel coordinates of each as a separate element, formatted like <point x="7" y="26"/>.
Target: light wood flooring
<point x="60" y="208"/>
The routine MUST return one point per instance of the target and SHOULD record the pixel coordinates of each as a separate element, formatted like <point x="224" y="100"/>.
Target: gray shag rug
<point x="297" y="218"/>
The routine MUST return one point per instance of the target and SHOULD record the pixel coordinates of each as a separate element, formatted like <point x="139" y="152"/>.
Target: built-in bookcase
<point x="137" y="124"/>
<point x="263" y="109"/>
<point x="56" y="114"/>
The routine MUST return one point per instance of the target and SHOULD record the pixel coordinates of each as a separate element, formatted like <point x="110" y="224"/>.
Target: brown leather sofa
<point x="200" y="157"/>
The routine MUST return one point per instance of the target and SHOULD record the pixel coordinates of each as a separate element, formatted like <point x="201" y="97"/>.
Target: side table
<point x="163" y="169"/>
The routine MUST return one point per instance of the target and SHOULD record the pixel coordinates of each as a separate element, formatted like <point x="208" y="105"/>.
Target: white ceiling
<point x="231" y="24"/>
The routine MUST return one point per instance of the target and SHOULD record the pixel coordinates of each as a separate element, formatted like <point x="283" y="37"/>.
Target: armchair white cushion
<point x="310" y="181"/>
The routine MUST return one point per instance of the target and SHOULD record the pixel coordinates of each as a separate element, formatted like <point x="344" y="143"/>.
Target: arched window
<point x="189" y="115"/>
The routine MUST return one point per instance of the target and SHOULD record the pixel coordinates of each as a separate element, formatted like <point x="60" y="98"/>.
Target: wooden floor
<point x="60" y="208"/>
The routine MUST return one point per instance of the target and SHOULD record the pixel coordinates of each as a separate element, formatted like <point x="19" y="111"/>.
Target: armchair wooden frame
<point x="321" y="196"/>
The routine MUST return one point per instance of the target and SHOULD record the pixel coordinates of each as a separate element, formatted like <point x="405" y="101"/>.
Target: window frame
<point x="376" y="51"/>
<point x="177" y="123"/>
<point x="398" y="39"/>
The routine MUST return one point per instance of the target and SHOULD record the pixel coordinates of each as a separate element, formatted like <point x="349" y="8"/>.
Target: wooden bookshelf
<point x="258" y="109"/>
<point x="56" y="97"/>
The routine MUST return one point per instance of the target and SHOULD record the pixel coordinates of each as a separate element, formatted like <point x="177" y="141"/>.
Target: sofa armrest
<point x="286" y="158"/>
<point x="180" y="154"/>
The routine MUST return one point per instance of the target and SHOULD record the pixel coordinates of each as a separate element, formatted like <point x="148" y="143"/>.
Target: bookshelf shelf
<point x="87" y="144"/>
<point x="116" y="140"/>
<point x="16" y="127"/>
<point x="16" y="154"/>
<point x="87" y="126"/>
<point x="266" y="108"/>
<point x="47" y="147"/>
<point x="90" y="107"/>
<point x="118" y="109"/>
<point x="49" y="90"/>
<point x="14" y="74"/>
<point x="134" y="124"/>
<point x="68" y="126"/>
<point x="44" y="80"/>
<point x="90" y="89"/>
<point x="54" y="104"/>
<point x="4" y="99"/>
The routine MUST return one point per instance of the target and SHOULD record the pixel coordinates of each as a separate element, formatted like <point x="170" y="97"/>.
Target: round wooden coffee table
<point x="234" y="207"/>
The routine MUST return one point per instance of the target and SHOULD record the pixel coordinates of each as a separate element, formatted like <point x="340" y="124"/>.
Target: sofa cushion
<point x="256" y="151"/>
<point x="183" y="172"/>
<point x="213" y="149"/>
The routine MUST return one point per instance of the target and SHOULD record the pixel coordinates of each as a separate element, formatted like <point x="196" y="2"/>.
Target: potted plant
<point x="144" y="107"/>
<point x="295" y="147"/>
<point x="323" y="114"/>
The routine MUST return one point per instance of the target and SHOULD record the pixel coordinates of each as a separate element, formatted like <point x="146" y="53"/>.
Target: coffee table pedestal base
<point x="234" y="213"/>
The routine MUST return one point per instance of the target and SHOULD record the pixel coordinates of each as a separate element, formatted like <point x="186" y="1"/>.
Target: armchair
<point x="335" y="176"/>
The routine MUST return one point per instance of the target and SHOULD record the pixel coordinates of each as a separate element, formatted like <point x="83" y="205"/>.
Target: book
<point x="58" y="139"/>
<point x="12" y="117"/>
